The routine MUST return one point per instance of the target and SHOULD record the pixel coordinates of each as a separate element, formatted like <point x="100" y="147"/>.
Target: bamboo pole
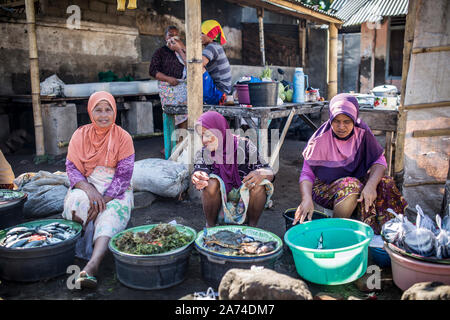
<point x="399" y="162"/>
<point x="194" y="68"/>
<point x="332" y="60"/>
<point x="260" y="12"/>
<point x="431" y="49"/>
<point x="35" y="83"/>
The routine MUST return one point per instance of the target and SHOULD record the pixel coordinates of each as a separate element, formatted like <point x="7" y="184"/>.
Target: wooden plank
<point x="384" y="120"/>
<point x="431" y="133"/>
<point x="431" y="49"/>
<point x="388" y="150"/>
<point x="427" y="105"/>
<point x="308" y="121"/>
<point x="413" y="9"/>
<point x="280" y="142"/>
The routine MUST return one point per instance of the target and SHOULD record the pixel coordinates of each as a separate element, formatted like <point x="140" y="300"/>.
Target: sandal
<point x="86" y="281"/>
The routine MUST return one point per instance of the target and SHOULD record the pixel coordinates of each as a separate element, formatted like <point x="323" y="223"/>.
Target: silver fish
<point x="33" y="244"/>
<point x="17" y="243"/>
<point x="18" y="230"/>
<point x="320" y="242"/>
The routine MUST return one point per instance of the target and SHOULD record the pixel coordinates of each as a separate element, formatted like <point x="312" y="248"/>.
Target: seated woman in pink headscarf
<point x="99" y="165"/>
<point x="236" y="184"/>
<point x="344" y="169"/>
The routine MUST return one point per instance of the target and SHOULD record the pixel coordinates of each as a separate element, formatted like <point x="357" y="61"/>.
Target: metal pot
<point x="385" y="91"/>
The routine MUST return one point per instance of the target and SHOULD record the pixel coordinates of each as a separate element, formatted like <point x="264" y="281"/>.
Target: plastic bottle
<point x="299" y="86"/>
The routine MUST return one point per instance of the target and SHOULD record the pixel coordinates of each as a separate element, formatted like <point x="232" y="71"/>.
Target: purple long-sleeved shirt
<point x="119" y="184"/>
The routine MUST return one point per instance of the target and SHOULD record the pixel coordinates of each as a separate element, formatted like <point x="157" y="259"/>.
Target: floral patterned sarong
<point x="388" y="196"/>
<point x="117" y="214"/>
<point x="235" y="203"/>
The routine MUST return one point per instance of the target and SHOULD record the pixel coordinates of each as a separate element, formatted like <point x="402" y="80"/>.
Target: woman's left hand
<point x="254" y="178"/>
<point x="368" y="196"/>
<point x="107" y="199"/>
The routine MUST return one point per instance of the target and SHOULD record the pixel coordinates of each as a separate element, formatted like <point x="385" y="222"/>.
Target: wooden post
<point x="35" y="83"/>
<point x="260" y="12"/>
<point x="304" y="44"/>
<point x="194" y="68"/>
<point x="401" y="122"/>
<point x="332" y="60"/>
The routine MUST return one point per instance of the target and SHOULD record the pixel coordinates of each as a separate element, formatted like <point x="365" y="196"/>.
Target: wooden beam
<point x="431" y="49"/>
<point x="289" y="8"/>
<point x="431" y="133"/>
<point x="410" y="27"/>
<point x="194" y="61"/>
<point x="35" y="82"/>
<point x="13" y="4"/>
<point x="303" y="38"/>
<point x="260" y="13"/>
<point x="427" y="105"/>
<point x="332" y="61"/>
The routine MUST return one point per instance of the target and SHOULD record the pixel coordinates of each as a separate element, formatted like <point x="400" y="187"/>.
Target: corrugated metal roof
<point x="355" y="12"/>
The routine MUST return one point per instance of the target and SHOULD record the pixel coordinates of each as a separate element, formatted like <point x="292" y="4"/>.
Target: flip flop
<point x="86" y="281"/>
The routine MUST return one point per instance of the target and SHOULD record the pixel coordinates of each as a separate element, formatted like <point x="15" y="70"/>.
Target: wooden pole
<point x="260" y="12"/>
<point x="399" y="162"/>
<point x="304" y="44"/>
<point x="332" y="60"/>
<point x="193" y="16"/>
<point x="35" y="83"/>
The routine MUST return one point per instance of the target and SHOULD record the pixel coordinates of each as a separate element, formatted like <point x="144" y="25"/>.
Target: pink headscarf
<point x="332" y="158"/>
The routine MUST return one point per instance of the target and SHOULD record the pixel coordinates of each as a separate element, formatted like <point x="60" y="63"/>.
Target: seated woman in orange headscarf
<point x="99" y="164"/>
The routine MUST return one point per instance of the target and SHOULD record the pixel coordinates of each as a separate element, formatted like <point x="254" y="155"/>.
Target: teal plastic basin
<point x="344" y="255"/>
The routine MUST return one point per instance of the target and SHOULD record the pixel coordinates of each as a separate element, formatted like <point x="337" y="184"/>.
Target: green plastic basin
<point x="344" y="255"/>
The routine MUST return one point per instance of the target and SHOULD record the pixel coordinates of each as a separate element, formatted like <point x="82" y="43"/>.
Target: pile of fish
<point x="236" y="243"/>
<point x="427" y="238"/>
<point x="25" y="237"/>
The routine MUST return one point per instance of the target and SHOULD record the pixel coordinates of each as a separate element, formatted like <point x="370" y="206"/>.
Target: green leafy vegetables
<point x="160" y="239"/>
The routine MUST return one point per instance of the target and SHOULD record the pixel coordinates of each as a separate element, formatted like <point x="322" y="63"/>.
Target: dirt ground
<point x="186" y="212"/>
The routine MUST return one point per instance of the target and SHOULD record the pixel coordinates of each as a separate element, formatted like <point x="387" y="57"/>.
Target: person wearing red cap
<point x="216" y="67"/>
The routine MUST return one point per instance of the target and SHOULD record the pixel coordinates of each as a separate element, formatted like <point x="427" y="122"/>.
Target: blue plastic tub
<point x="344" y="255"/>
<point x="380" y="257"/>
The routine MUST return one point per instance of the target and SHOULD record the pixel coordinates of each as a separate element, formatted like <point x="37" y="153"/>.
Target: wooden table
<point x="237" y="112"/>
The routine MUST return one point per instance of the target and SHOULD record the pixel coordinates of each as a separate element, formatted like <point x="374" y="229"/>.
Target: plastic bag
<point x="162" y="177"/>
<point x="442" y="241"/>
<point x="420" y="241"/>
<point x="46" y="192"/>
<point x="425" y="221"/>
<point x="52" y="86"/>
<point x="85" y="245"/>
<point x="394" y="230"/>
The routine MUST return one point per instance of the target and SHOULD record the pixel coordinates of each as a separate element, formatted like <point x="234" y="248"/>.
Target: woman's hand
<point x="255" y="177"/>
<point x="305" y="209"/>
<point x="172" y="81"/>
<point x="200" y="179"/>
<point x="107" y="199"/>
<point x="96" y="202"/>
<point x="368" y="196"/>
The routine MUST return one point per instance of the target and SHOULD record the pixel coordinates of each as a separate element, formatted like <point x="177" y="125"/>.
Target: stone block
<point x="265" y="284"/>
<point x="60" y="122"/>
<point x="427" y="291"/>
<point x="139" y="117"/>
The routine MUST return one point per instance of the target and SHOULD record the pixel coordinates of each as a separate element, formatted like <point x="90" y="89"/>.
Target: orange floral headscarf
<point x="212" y="29"/>
<point x="92" y="146"/>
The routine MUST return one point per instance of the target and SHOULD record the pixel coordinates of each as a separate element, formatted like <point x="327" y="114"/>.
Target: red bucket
<point x="243" y="93"/>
